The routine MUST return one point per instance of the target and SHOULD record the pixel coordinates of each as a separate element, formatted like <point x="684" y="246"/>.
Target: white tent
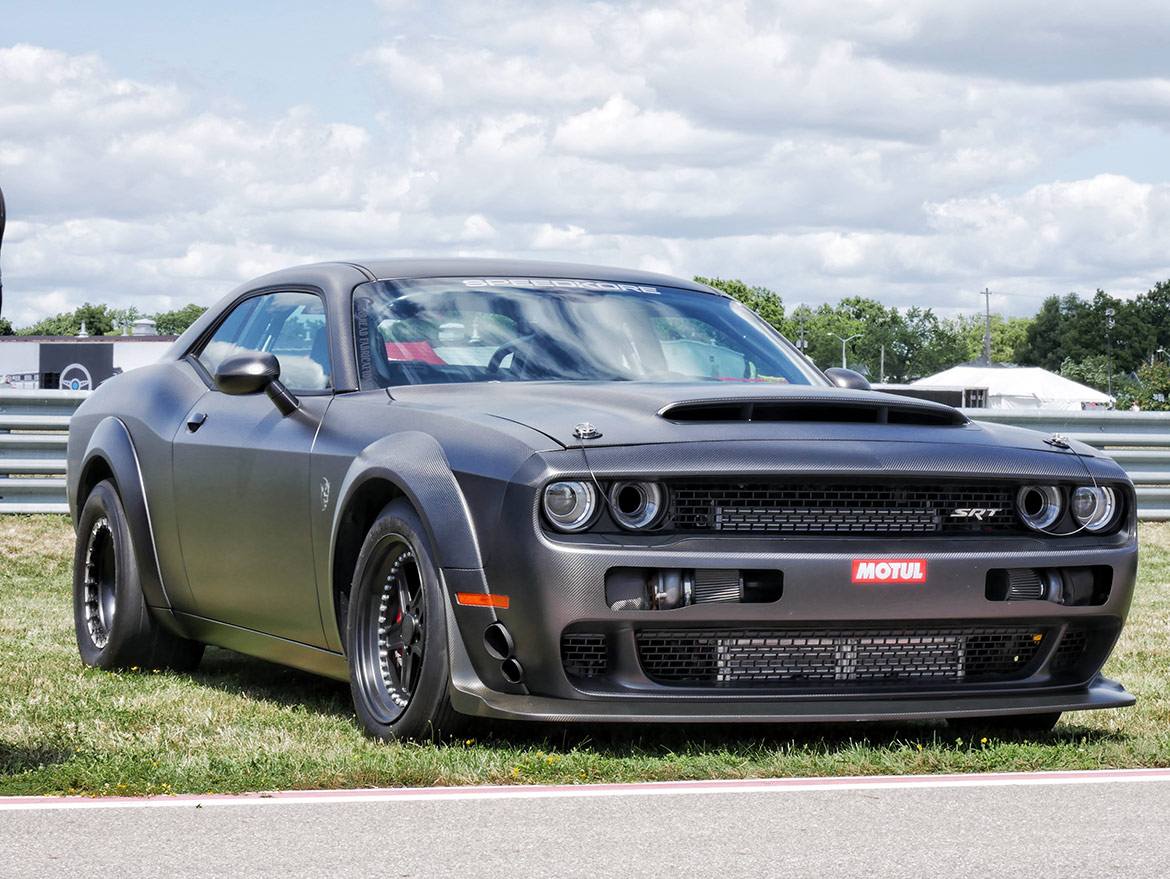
<point x="1019" y="387"/>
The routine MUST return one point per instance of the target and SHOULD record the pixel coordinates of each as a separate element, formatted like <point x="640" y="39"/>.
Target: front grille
<point x="584" y="655"/>
<point x="838" y="658"/>
<point x="842" y="508"/>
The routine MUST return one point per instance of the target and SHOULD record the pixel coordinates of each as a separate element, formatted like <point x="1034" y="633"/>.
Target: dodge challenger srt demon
<point x="534" y="490"/>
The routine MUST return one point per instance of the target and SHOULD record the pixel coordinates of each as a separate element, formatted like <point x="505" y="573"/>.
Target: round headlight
<point x="1094" y="507"/>
<point x="1039" y="505"/>
<point x="636" y="506"/>
<point x="570" y="505"/>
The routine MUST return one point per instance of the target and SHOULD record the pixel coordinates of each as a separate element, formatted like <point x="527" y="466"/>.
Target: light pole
<point x="843" y="341"/>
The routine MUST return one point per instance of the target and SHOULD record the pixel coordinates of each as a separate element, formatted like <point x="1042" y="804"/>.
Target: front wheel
<point x="398" y="667"/>
<point x="115" y="628"/>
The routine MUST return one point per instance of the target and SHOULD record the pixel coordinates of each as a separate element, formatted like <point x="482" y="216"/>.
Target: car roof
<point x="448" y="267"/>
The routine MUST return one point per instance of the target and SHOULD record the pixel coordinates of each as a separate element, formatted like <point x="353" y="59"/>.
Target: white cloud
<point x="895" y="150"/>
<point x="620" y="130"/>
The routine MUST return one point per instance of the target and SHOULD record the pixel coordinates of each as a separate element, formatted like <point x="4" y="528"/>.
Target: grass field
<point x="240" y="724"/>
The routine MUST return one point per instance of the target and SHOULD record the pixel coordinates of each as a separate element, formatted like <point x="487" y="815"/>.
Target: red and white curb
<point x="666" y="788"/>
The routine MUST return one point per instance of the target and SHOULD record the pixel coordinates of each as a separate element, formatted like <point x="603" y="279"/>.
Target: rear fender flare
<point x="111" y="451"/>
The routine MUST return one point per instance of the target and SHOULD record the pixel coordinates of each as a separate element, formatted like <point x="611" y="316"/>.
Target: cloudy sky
<point x="155" y="154"/>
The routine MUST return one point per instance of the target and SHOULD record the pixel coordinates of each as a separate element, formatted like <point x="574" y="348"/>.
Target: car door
<point x="242" y="473"/>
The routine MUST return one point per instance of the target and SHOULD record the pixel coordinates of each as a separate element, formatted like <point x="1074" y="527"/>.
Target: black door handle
<point x="196" y="421"/>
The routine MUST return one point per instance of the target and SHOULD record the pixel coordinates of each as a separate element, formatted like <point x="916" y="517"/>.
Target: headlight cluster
<point x="1094" y="507"/>
<point x="1042" y="507"/>
<point x="573" y="505"/>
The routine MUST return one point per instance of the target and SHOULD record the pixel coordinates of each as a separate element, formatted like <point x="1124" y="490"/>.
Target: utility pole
<point x="987" y="328"/>
<point x="882" y="367"/>
<point x="802" y="342"/>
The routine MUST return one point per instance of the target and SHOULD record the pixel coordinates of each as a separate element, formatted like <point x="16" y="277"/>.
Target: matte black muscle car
<point x="535" y="490"/>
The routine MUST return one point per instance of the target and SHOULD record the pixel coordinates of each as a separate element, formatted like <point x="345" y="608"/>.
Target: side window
<point x="288" y="325"/>
<point x="221" y="345"/>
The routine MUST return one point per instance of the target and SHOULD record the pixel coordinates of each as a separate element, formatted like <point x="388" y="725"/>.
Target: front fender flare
<point x="415" y="463"/>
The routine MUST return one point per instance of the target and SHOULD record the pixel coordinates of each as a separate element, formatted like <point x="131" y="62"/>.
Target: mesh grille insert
<point x="843" y="658"/>
<point x="833" y="508"/>
<point x="1072" y="648"/>
<point x="584" y="655"/>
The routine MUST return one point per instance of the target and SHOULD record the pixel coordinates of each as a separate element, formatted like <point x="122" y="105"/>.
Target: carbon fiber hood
<point x="642" y="414"/>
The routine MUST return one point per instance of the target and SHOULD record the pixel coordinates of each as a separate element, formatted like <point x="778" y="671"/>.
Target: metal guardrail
<point x="34" y="431"/>
<point x="1138" y="441"/>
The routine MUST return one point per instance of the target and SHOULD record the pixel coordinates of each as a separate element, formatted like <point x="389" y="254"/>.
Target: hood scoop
<point x="853" y="410"/>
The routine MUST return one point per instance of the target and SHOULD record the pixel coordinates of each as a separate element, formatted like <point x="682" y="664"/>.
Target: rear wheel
<point x="398" y="667"/>
<point x="115" y="628"/>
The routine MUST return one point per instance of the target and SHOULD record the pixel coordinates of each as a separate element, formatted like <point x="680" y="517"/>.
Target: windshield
<point x="534" y="329"/>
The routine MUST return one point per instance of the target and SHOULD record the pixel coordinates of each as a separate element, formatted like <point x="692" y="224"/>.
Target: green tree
<point x="801" y="318"/>
<point x="1069" y="327"/>
<point x="1045" y="343"/>
<point x="934" y="345"/>
<point x="824" y="328"/>
<point x="1008" y="335"/>
<point x="6" y="327"/>
<point x="1154" y="391"/>
<point x="173" y="323"/>
<point x="124" y="317"/>
<point x="764" y="302"/>
<point x="883" y="337"/>
<point x="1127" y="344"/>
<point x="1066" y="329"/>
<point x="98" y="320"/>
<point x="1153" y="310"/>
<point x="1094" y="372"/>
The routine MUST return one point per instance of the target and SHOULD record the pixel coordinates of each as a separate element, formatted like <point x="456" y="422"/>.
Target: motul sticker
<point x="889" y="570"/>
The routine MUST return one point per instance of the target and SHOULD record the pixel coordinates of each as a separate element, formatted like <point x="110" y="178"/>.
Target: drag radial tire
<point x="399" y="672"/>
<point x="115" y="628"/>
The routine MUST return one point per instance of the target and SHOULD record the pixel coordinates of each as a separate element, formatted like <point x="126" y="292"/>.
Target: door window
<point x="290" y="326"/>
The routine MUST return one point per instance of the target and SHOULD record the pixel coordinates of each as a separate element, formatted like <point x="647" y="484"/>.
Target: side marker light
<point x="481" y="599"/>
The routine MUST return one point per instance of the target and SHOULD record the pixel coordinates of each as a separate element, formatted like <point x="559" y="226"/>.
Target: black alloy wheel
<point x="99" y="583"/>
<point x="391" y="631"/>
<point x="114" y="626"/>
<point x="399" y="674"/>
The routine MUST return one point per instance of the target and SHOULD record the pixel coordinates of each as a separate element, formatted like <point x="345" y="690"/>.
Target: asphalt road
<point x="1074" y="825"/>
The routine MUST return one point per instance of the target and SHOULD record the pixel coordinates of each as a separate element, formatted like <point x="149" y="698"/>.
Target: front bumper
<point x="557" y="588"/>
<point x="918" y="638"/>
<point x="471" y="697"/>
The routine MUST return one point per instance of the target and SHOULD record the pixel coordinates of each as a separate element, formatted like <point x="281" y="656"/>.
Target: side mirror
<point x="251" y="372"/>
<point x="847" y="378"/>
